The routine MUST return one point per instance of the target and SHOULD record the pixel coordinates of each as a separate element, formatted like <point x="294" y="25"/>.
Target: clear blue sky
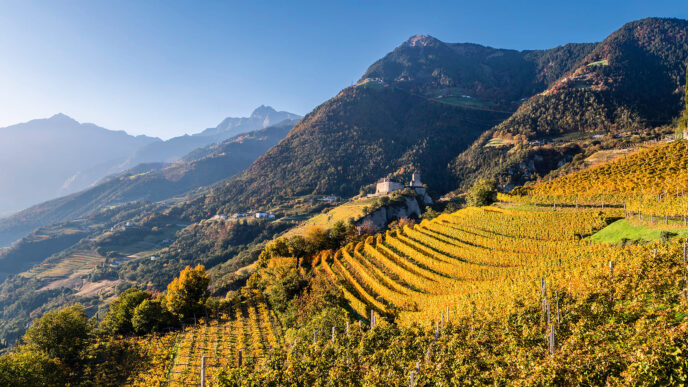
<point x="166" y="68"/>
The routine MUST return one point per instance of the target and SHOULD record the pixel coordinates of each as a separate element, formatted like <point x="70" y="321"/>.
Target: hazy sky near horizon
<point x="165" y="68"/>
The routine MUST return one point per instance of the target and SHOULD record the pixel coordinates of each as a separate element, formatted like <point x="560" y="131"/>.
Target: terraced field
<point x="79" y="262"/>
<point x="651" y="181"/>
<point x="249" y="327"/>
<point x="476" y="260"/>
<point x="342" y="213"/>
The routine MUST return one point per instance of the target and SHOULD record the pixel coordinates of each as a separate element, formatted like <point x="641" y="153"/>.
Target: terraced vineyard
<point x="249" y="327"/>
<point x="82" y="261"/>
<point x="476" y="260"/>
<point x="653" y="181"/>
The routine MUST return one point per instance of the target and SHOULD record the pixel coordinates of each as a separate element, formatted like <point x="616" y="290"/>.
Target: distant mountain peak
<point x="263" y="111"/>
<point x="421" y="41"/>
<point x="62" y="117"/>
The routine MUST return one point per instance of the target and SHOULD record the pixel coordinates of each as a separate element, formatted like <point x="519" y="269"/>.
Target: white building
<point x="265" y="215"/>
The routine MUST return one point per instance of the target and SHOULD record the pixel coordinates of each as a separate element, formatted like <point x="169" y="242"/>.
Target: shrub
<point x="483" y="193"/>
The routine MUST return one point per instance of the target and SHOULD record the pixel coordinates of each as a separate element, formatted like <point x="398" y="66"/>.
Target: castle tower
<point x="415" y="181"/>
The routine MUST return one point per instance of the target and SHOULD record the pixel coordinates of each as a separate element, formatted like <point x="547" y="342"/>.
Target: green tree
<point x="186" y="295"/>
<point x="151" y="316"/>
<point x="61" y="334"/>
<point x="118" y="319"/>
<point x="29" y="368"/>
<point x="288" y="283"/>
<point x="482" y="193"/>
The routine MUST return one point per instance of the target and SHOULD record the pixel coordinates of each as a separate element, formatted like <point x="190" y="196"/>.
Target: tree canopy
<point x="186" y="294"/>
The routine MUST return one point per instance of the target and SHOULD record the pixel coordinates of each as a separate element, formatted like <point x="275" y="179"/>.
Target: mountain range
<point x="59" y="156"/>
<point x="150" y="182"/>
<point x="51" y="157"/>
<point x="177" y="147"/>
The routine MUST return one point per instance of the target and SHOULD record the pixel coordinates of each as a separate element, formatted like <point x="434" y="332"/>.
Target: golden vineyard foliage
<point x="473" y="261"/>
<point x="626" y="326"/>
<point x="175" y="358"/>
<point x="652" y="180"/>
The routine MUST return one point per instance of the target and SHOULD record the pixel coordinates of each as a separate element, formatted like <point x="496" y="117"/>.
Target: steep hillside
<point x="364" y="133"/>
<point x="151" y="182"/>
<point x="415" y="109"/>
<point x="57" y="156"/>
<point x="456" y="262"/>
<point x="430" y="67"/>
<point x="651" y="180"/>
<point x="631" y="81"/>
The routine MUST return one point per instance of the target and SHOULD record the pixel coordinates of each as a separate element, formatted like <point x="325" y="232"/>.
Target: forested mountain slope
<point x="364" y="133"/>
<point x="631" y="81"/>
<point x="415" y="109"/>
<point x="428" y="66"/>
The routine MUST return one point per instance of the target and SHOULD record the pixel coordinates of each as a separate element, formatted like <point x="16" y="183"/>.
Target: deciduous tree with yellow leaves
<point x="187" y="294"/>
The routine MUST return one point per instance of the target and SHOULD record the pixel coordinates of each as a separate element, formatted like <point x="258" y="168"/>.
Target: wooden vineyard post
<point x="543" y="287"/>
<point x="239" y="358"/>
<point x="347" y="329"/>
<point x="684" y="249"/>
<point x="315" y="337"/>
<point x="551" y="340"/>
<point x="333" y="334"/>
<point x="611" y="278"/>
<point x="411" y="378"/>
<point x="202" y="371"/>
<point x="372" y="319"/>
<point x="549" y="315"/>
<point x="655" y="254"/>
<point x="625" y="213"/>
<point x="558" y="314"/>
<point x="447" y="315"/>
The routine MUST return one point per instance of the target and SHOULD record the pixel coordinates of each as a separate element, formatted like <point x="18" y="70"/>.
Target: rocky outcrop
<point x="386" y="214"/>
